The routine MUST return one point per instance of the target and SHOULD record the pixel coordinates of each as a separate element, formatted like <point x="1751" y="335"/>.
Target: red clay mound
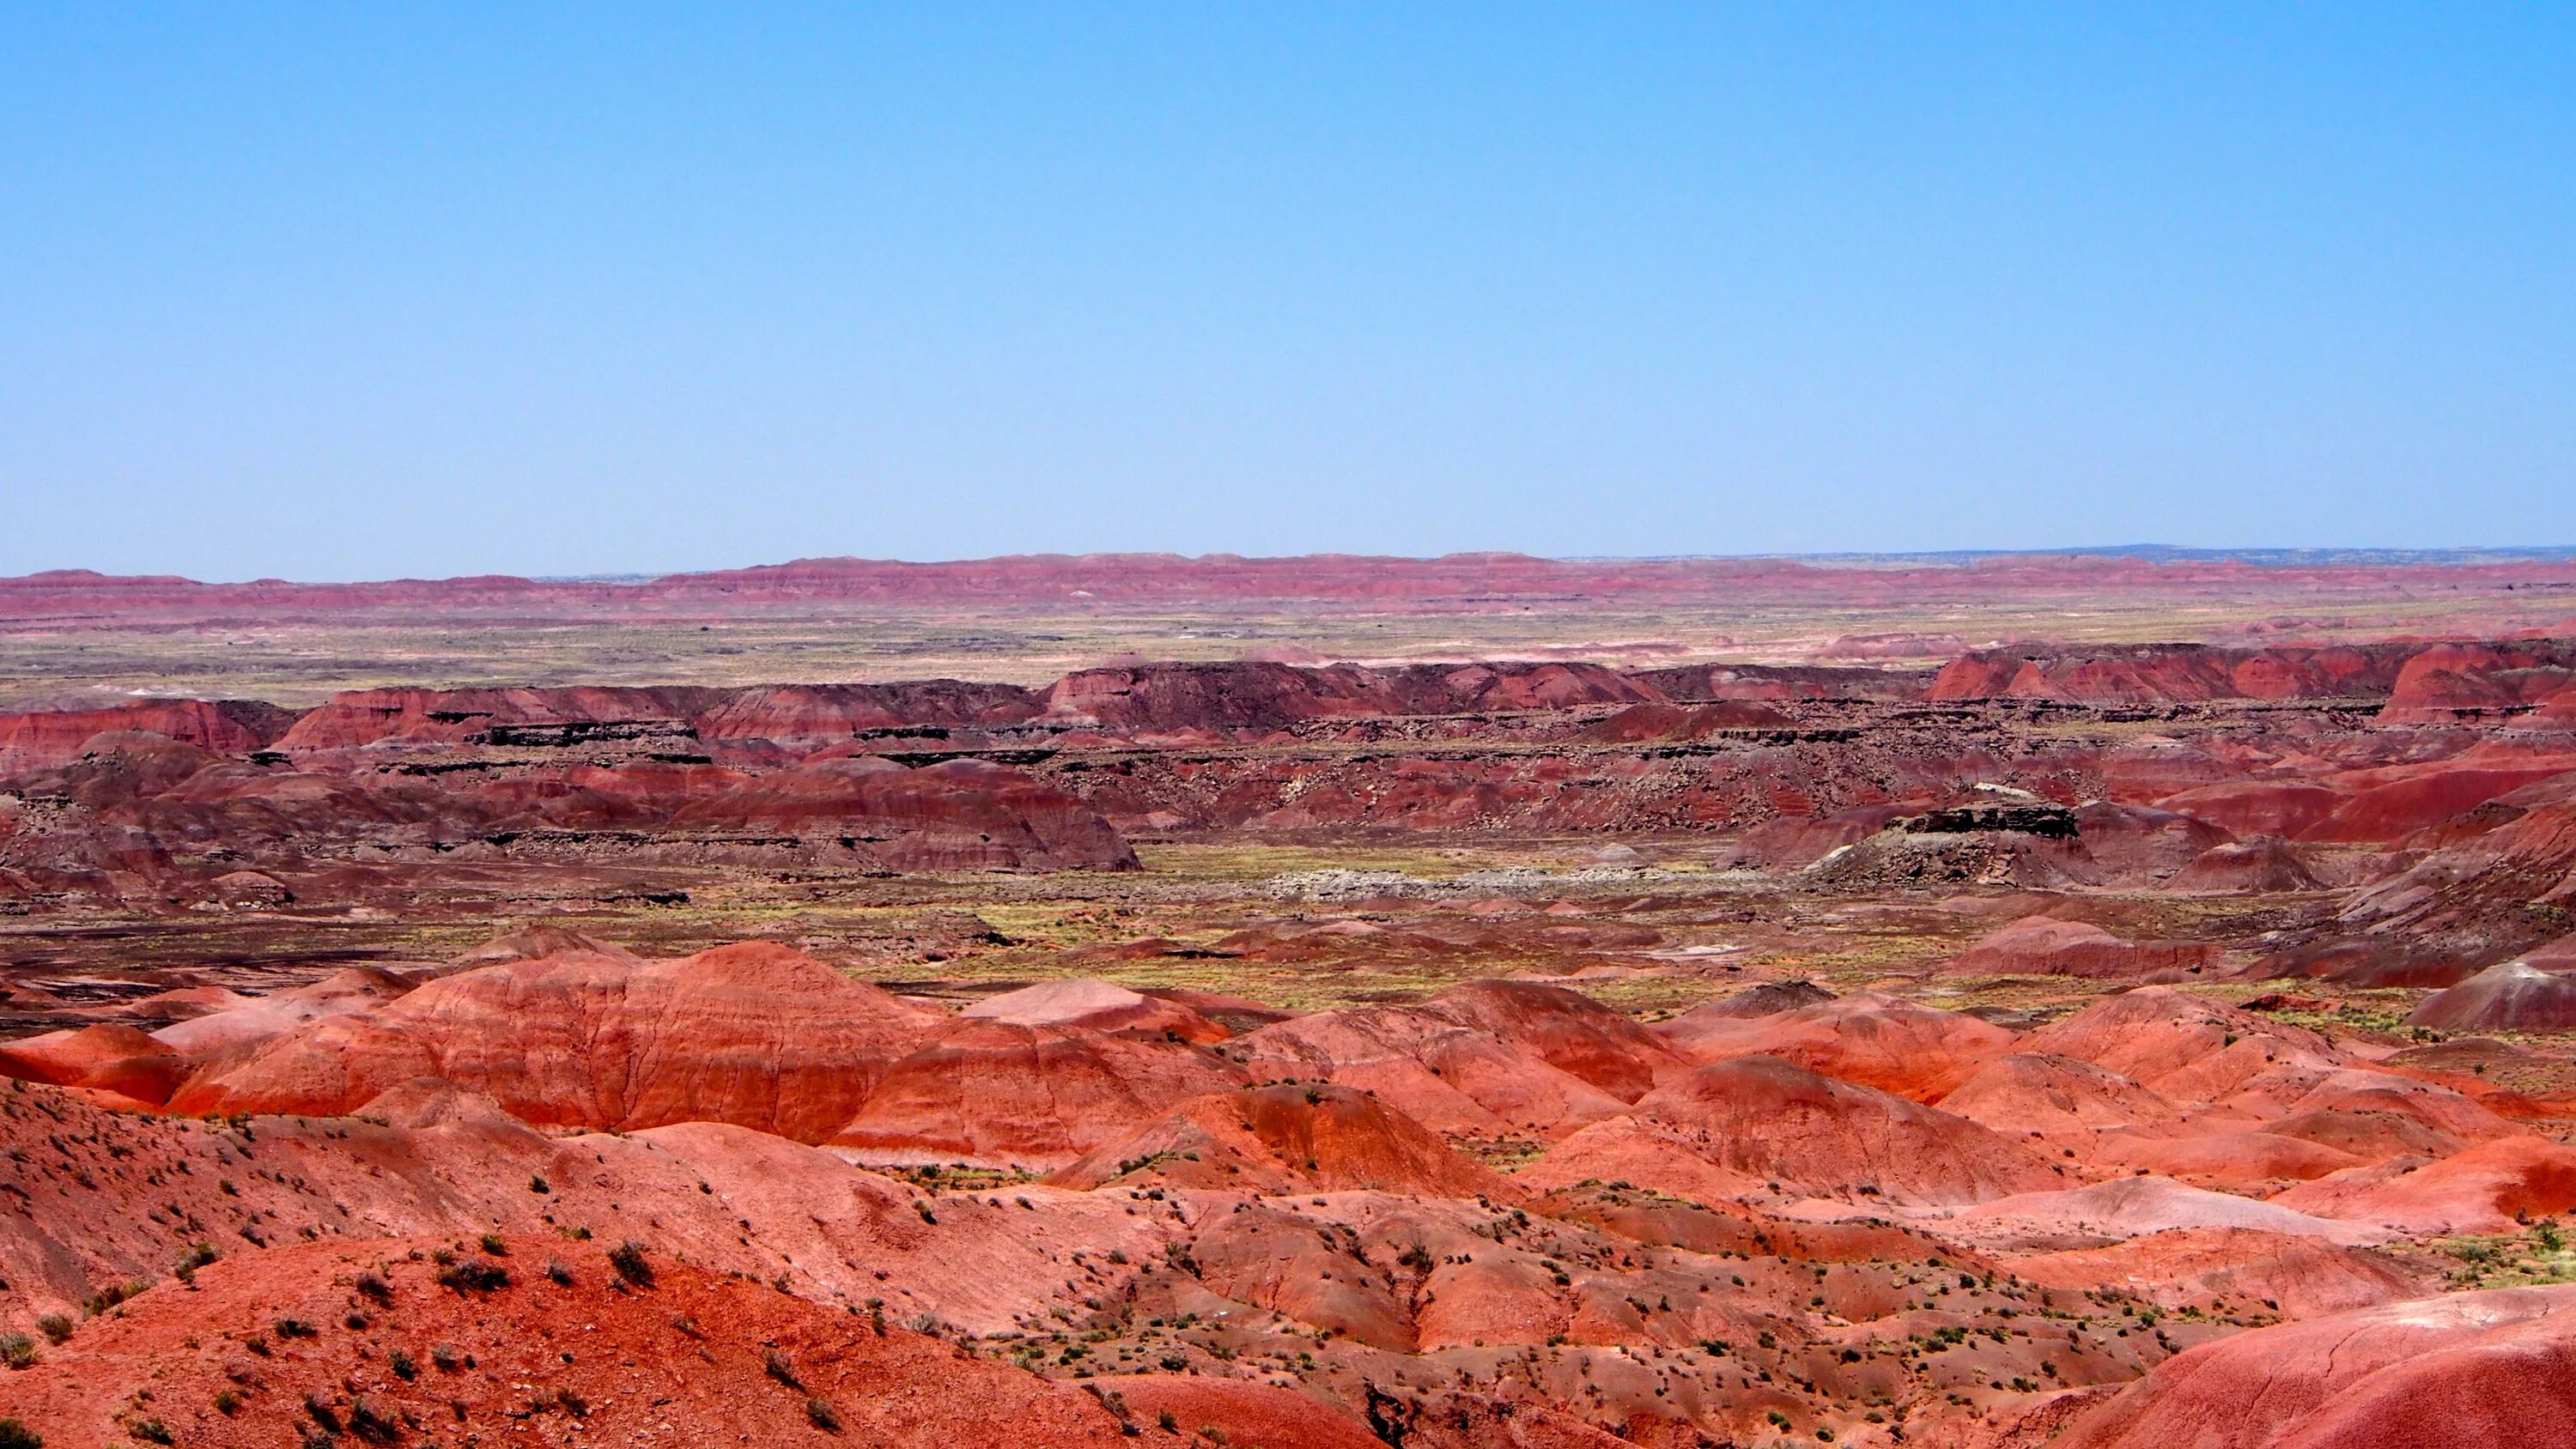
<point x="1289" y="1139"/>
<point x="2474" y="898"/>
<point x="2398" y="809"/>
<point x="1771" y="998"/>
<point x="1087" y="1005"/>
<point x="1490" y="1058"/>
<point x="2040" y="946"/>
<point x="754" y="1034"/>
<point x="2508" y="996"/>
<point x="1302" y="1269"/>
<point x="386" y="1352"/>
<point x="2129" y="1207"/>
<point x="1565" y="1029"/>
<point x="2034" y="1092"/>
<point x="2258" y="807"/>
<point x="2248" y="1162"/>
<point x="103" y="1058"/>
<point x="1869" y="1037"/>
<point x="124" y="1196"/>
<point x="2486" y="1189"/>
<point x="1246" y="1413"/>
<point x="1451" y="1078"/>
<point x="256" y="1019"/>
<point x="2264" y="864"/>
<point x="2226" y="1269"/>
<point x="998" y="1095"/>
<point x="2186" y="1049"/>
<point x="1768" y="1120"/>
<point x="2470" y="1371"/>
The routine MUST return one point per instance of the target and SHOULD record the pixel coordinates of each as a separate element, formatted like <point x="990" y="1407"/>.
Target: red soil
<point x="1246" y="1413"/>
<point x="2463" y="1372"/>
<point x="2227" y="1269"/>
<point x="682" y="1361"/>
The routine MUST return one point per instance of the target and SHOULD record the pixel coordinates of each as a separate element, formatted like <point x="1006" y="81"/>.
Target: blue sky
<point x="358" y="291"/>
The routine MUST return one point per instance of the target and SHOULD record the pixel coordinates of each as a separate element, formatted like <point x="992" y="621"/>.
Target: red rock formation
<point x="1268" y="696"/>
<point x="1641" y="723"/>
<point x="1869" y="1038"/>
<point x="105" y="1058"/>
<point x="2264" y="865"/>
<point x="2190" y="1050"/>
<point x="2420" y="801"/>
<point x="2040" y="946"/>
<point x="2276" y="807"/>
<point x="45" y="738"/>
<point x="2508" y="996"/>
<point x="1086" y="1005"/>
<point x="956" y="815"/>
<point x="989" y="1093"/>
<point x="2032" y="1092"/>
<point x="753" y="1034"/>
<point x="2486" y="1189"/>
<point x="1764" y="1120"/>
<point x="1286" y="1139"/>
<point x="2163" y="673"/>
<point x="2485" y="897"/>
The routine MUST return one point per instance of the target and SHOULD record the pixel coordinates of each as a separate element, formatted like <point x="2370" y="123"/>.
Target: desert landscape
<point x="2112" y="999"/>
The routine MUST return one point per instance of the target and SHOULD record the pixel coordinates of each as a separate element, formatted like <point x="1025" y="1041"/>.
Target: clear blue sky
<point x="352" y="291"/>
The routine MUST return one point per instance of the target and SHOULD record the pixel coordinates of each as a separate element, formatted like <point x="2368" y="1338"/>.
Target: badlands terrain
<point x="2091" y="1002"/>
